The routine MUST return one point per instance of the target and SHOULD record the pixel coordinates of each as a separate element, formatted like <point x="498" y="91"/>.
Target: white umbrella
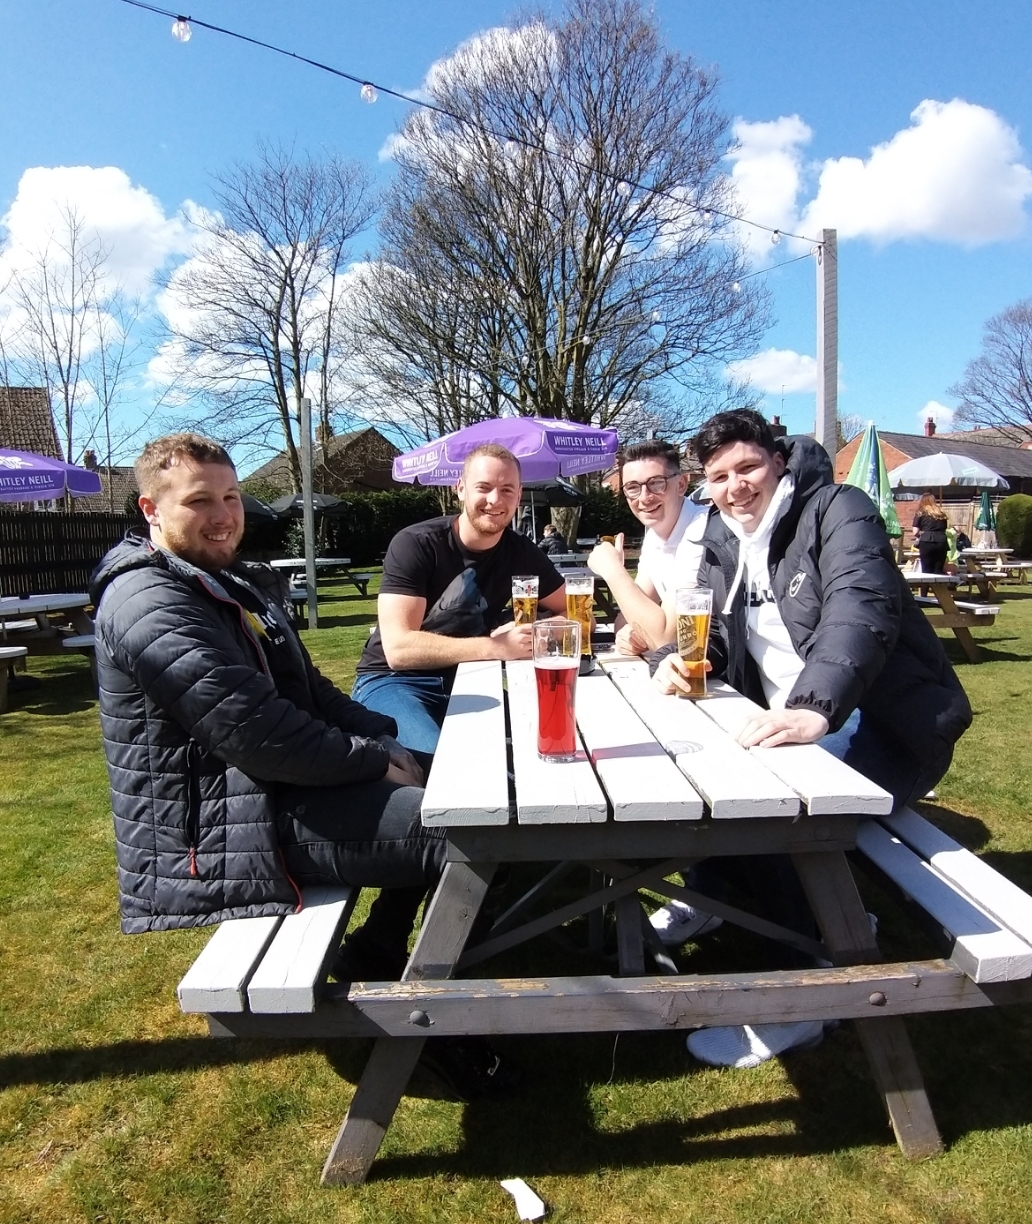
<point x="945" y="471"/>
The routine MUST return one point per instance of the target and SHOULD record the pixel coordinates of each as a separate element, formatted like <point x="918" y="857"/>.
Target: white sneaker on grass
<point x="678" y="922"/>
<point x="748" y="1045"/>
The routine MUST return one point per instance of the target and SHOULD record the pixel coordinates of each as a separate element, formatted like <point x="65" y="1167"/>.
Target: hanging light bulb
<point x="181" y="31"/>
<point x="623" y="189"/>
<point x="368" y="93"/>
<point x="775" y="238"/>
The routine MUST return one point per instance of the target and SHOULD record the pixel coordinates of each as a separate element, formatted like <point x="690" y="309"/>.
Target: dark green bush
<point x="365" y="523"/>
<point x="605" y="513"/>
<point x="1014" y="524"/>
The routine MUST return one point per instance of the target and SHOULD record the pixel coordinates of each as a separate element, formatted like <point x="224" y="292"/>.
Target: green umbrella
<point x="986" y="520"/>
<point x="868" y="472"/>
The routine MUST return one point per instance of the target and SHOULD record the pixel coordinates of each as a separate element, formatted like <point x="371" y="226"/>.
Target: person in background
<point x="930" y="523"/>
<point x="446" y="583"/>
<point x="813" y="621"/>
<point x="655" y="487"/>
<point x="552" y="543"/>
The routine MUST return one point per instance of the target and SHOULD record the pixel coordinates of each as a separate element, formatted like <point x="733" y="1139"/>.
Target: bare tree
<point x="252" y="315"/>
<point x="68" y="327"/>
<point x="58" y="297"/>
<point x="563" y="245"/>
<point x="996" y="390"/>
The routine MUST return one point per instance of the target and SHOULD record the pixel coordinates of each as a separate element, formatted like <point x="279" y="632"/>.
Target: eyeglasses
<point x="655" y="485"/>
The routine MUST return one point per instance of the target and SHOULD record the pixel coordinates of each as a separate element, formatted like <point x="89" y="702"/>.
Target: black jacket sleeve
<point x="180" y="650"/>
<point x="860" y="607"/>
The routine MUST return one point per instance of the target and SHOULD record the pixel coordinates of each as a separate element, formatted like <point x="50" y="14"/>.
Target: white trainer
<point x="748" y="1045"/>
<point x="678" y="922"/>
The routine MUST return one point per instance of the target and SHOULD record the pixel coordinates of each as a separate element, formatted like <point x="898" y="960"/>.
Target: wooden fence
<point x="48" y="553"/>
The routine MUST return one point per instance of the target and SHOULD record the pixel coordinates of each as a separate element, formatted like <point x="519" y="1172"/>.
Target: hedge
<point x="1014" y="524"/>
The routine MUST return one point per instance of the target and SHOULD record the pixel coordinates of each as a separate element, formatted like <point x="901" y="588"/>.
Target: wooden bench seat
<point x="270" y="965"/>
<point x="361" y="581"/>
<point x="987" y="918"/>
<point x="8" y="656"/>
<point x="84" y="643"/>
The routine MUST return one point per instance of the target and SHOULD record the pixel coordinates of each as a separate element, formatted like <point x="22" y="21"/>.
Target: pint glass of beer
<point x="557" y="646"/>
<point x="580" y="597"/>
<point x="524" y="598"/>
<point x="694" y="606"/>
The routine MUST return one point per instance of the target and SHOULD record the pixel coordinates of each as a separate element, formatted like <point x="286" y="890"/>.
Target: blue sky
<point x="906" y="126"/>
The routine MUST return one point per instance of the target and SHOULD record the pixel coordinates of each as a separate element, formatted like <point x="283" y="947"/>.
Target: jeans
<point x="417" y="703"/>
<point x="864" y="746"/>
<point x="368" y="835"/>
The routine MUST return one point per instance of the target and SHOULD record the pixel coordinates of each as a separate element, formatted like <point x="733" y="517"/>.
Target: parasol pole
<point x="308" y="511"/>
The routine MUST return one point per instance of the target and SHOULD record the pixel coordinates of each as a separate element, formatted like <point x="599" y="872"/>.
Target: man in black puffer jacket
<point x="238" y="772"/>
<point x="813" y="620"/>
<point x="812" y="617"/>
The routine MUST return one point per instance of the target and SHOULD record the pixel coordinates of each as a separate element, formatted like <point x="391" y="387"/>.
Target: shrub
<point x="1014" y="524"/>
<point x="605" y="513"/>
<point x="365" y="523"/>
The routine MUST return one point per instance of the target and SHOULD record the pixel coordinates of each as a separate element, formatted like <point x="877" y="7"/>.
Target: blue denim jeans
<point x="417" y="703"/>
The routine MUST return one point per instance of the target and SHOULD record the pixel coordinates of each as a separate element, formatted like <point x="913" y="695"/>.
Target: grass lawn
<point x="114" y="1107"/>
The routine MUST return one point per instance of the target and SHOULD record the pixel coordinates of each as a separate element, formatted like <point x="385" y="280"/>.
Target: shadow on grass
<point x="65" y="687"/>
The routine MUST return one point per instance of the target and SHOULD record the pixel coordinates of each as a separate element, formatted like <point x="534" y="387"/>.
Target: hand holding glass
<point x="694" y="607"/>
<point x="525" y="598"/>
<point x="557" y="646"/>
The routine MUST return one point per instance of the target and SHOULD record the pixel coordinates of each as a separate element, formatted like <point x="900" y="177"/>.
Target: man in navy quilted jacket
<point x="238" y="773"/>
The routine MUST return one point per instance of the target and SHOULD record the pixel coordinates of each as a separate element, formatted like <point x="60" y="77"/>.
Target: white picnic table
<point x="661" y="784"/>
<point x="43" y="636"/>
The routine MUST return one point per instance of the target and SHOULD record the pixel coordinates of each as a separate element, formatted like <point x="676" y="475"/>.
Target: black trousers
<point x="368" y="835"/>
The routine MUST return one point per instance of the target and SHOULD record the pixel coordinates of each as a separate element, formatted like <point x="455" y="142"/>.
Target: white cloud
<point x="129" y="222"/>
<point x="955" y="175"/>
<point x="940" y="414"/>
<point x="767" y="175"/>
<point x="775" y="370"/>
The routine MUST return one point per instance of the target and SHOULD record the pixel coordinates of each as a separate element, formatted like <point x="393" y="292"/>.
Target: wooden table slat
<point x="642" y="782"/>
<point x="732" y="782"/>
<point x="546" y="792"/>
<point x="826" y="785"/>
<point x="469" y="782"/>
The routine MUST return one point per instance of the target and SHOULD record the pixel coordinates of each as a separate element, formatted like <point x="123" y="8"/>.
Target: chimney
<point x="89" y="460"/>
<point x="776" y="428"/>
<point x="929" y="427"/>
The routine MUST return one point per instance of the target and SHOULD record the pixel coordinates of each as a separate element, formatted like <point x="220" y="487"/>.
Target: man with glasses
<point x="655" y="486"/>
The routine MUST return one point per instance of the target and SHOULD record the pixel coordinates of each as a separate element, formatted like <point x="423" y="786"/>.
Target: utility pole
<point x="308" y="507"/>
<point x="826" y="432"/>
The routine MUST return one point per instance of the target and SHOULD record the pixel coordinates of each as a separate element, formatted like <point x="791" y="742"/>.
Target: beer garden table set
<point x="657" y="783"/>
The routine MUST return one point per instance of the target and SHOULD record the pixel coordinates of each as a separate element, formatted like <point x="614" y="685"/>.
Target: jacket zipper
<point x="193" y="816"/>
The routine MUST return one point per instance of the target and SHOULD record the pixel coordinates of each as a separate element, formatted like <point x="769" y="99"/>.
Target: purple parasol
<point x="545" y="448"/>
<point x="25" y="477"/>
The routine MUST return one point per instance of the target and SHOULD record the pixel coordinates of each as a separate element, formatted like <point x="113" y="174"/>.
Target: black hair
<point x="652" y="448"/>
<point x="738" y="425"/>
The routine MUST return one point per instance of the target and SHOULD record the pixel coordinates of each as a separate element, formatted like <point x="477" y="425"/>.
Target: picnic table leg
<point x="944" y="597"/>
<point x="833" y="896"/>
<point x="446" y="927"/>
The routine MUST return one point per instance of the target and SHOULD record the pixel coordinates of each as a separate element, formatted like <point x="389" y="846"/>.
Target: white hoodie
<point x="766" y="637"/>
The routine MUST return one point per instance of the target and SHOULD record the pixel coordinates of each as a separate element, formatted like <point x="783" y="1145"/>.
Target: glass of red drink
<point x="557" y="645"/>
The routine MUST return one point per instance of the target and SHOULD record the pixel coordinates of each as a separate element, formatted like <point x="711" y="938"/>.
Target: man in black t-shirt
<point x="446" y="583"/>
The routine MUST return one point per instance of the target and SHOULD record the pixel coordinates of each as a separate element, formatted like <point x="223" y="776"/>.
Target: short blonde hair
<point x="494" y="450"/>
<point x="163" y="453"/>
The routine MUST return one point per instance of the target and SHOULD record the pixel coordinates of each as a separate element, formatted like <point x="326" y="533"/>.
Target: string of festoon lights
<point x="369" y="91"/>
